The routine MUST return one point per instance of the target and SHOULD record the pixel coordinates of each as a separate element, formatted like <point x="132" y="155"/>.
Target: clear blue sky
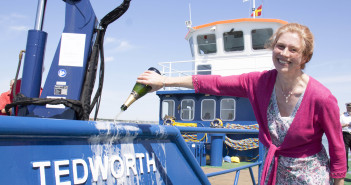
<point x="153" y="31"/>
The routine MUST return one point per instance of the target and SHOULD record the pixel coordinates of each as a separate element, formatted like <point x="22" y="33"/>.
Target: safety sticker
<point x="61" y="90"/>
<point x="62" y="73"/>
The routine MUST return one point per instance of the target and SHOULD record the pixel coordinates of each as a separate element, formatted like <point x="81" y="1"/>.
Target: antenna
<point x="189" y="23"/>
<point x="253" y="9"/>
<point x="190" y="11"/>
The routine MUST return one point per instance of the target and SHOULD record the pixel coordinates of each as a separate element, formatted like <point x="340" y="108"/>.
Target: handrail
<point x="181" y="67"/>
<point x="216" y="130"/>
<point x="229" y="131"/>
<point x="233" y="169"/>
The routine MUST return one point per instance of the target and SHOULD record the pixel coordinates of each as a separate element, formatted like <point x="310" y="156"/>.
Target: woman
<point x="293" y="111"/>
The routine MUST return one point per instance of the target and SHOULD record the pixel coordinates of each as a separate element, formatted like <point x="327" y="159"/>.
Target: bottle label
<point x="135" y="94"/>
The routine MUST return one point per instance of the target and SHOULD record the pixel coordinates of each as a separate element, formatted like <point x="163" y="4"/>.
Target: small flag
<point x="257" y="12"/>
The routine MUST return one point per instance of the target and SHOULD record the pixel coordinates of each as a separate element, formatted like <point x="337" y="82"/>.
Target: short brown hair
<point x="304" y="33"/>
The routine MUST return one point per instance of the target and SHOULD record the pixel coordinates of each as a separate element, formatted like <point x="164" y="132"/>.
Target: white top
<point x="346" y="118"/>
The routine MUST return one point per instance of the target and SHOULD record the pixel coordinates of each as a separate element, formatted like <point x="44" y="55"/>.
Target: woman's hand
<point x="152" y="79"/>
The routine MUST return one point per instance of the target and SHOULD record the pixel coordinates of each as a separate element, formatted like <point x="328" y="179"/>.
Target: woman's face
<point x="287" y="53"/>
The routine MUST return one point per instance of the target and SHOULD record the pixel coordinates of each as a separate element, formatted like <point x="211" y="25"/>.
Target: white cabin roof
<point x="227" y="48"/>
<point x="210" y="25"/>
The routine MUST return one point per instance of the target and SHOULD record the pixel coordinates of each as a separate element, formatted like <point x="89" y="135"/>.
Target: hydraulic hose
<point x="93" y="63"/>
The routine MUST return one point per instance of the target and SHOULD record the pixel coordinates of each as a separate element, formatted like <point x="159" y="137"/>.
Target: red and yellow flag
<point x="257" y="12"/>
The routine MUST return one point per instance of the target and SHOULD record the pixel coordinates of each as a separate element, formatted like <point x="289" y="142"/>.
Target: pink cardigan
<point x="317" y="114"/>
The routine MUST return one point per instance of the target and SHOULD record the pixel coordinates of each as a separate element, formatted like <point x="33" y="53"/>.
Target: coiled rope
<point x="243" y="144"/>
<point x="238" y="126"/>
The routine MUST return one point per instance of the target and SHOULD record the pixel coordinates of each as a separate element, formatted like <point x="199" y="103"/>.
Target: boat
<point x="49" y="139"/>
<point x="228" y="47"/>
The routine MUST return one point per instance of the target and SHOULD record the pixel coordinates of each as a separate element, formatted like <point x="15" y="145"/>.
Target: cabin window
<point x="187" y="110"/>
<point x="227" y="109"/>
<point x="233" y="40"/>
<point x="191" y="43"/>
<point x="207" y="44"/>
<point x="167" y="108"/>
<point x="260" y="37"/>
<point x="204" y="69"/>
<point x="208" y="110"/>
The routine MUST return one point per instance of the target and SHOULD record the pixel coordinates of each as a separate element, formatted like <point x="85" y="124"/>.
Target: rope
<point x="253" y="159"/>
<point x="238" y="126"/>
<point x="20" y="99"/>
<point x="244" y="144"/>
<point x="193" y="137"/>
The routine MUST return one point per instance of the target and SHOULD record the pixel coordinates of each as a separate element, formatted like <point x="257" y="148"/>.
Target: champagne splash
<point x="116" y="117"/>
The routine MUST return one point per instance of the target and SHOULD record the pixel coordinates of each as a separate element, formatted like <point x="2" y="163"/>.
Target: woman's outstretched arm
<point x="157" y="81"/>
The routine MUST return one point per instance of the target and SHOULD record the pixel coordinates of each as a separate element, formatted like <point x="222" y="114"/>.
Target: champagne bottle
<point x="138" y="91"/>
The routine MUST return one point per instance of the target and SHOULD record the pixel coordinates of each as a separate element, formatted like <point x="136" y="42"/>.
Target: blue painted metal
<point x="202" y="149"/>
<point x="243" y="115"/>
<point x="216" y="149"/>
<point x="236" y="177"/>
<point x="51" y="151"/>
<point x="80" y="19"/>
<point x="33" y="62"/>
<point x="175" y="92"/>
<point x="261" y="154"/>
<point x="252" y="175"/>
<point x="221" y="131"/>
<point x="243" y="110"/>
<point x="216" y="130"/>
<point x="233" y="169"/>
<point x="198" y="150"/>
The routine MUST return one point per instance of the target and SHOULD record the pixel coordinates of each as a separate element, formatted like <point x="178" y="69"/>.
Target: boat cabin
<point x="224" y="48"/>
<point x="233" y="46"/>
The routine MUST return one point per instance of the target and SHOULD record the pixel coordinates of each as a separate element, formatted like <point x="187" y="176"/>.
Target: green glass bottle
<point x="139" y="90"/>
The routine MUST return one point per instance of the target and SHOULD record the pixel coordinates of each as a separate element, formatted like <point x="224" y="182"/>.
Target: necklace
<point x="298" y="83"/>
<point x="287" y="95"/>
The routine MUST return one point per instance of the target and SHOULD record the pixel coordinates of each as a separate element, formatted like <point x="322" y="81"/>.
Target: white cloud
<point x="109" y="40"/>
<point x="18" y="28"/>
<point x="14" y="22"/>
<point x="109" y="59"/>
<point x="12" y="18"/>
<point x="123" y="46"/>
<point x="17" y="15"/>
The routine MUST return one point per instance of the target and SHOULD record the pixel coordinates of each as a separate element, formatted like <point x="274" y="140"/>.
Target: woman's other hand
<point x="152" y="79"/>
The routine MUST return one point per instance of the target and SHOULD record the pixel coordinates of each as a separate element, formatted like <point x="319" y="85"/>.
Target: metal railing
<point x="229" y="131"/>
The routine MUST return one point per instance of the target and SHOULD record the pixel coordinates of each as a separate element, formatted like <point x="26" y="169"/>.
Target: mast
<point x="253" y="9"/>
<point x="189" y="23"/>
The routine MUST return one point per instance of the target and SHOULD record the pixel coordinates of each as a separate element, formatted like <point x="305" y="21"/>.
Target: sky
<point x="153" y="31"/>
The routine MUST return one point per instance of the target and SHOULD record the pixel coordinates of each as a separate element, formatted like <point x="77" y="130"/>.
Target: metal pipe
<point x="39" y="21"/>
<point x="216" y="130"/>
<point x="188" y="155"/>
<point x="236" y="177"/>
<point x="252" y="176"/>
<point x="232" y="170"/>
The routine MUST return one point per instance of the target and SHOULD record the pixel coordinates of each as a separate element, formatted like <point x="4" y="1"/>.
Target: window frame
<point x="181" y="110"/>
<point x="173" y="112"/>
<point x="198" y="44"/>
<point x="221" y="109"/>
<point x="252" y="43"/>
<point x="204" y="71"/>
<point x="243" y="41"/>
<point x="214" y="109"/>
<point x="191" y="43"/>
